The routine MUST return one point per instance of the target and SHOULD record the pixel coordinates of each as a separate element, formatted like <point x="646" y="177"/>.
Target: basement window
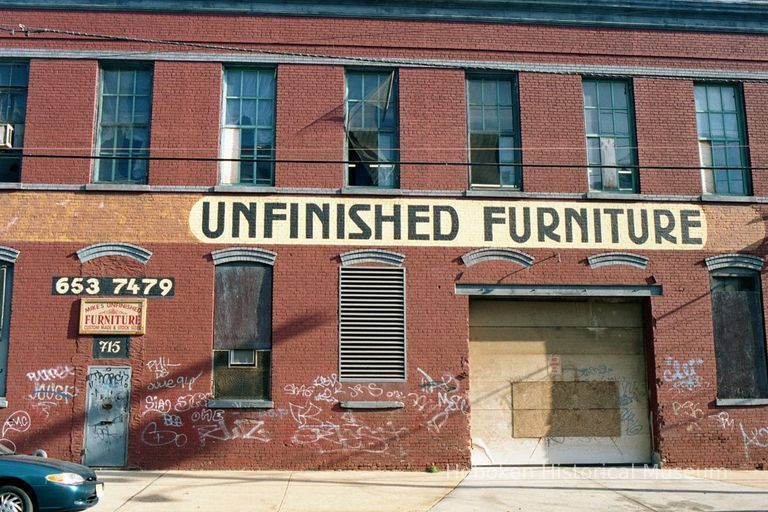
<point x="372" y="324"/>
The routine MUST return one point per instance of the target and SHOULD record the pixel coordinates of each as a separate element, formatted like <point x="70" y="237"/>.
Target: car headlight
<point x="65" y="478"/>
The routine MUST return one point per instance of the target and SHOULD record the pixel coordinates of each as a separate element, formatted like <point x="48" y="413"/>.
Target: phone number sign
<point x="117" y="286"/>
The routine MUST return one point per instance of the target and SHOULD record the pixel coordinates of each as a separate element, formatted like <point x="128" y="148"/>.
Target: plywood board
<point x="567" y="423"/>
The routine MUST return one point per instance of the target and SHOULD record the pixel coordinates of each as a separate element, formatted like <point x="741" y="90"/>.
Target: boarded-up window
<point x="737" y="315"/>
<point x="243" y="316"/>
<point x="242" y="324"/>
<point x="6" y="272"/>
<point x="372" y="324"/>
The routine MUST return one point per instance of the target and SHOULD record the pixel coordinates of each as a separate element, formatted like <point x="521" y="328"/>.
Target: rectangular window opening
<point x="14" y="78"/>
<point x="494" y="142"/>
<point x="242" y="345"/>
<point x="722" y="140"/>
<point x="610" y="133"/>
<point x="248" y="127"/>
<point x="740" y="352"/>
<point x="6" y="278"/>
<point x="371" y="126"/>
<point x="125" y="112"/>
<point x="372" y="324"/>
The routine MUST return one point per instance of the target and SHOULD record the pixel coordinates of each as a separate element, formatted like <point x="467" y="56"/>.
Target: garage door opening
<point x="558" y="382"/>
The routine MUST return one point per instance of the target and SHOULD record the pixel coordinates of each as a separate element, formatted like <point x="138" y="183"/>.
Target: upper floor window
<point x="371" y="126"/>
<point x="248" y="130"/>
<point x="494" y="153"/>
<point x="722" y="146"/>
<point x="13" y="109"/>
<point x="609" y="127"/>
<point x="125" y="110"/>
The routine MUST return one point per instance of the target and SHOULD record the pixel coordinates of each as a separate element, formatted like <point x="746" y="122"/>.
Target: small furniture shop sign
<point x="113" y="316"/>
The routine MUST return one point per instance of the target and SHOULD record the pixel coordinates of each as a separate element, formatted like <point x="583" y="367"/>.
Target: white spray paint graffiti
<point x="683" y="375"/>
<point x="245" y="428"/>
<point x="19" y="421"/>
<point x="161" y="367"/>
<point x="757" y="437"/>
<point x="48" y="389"/>
<point x="724" y="420"/>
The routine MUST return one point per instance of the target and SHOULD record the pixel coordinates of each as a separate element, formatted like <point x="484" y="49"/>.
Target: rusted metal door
<point x="106" y="417"/>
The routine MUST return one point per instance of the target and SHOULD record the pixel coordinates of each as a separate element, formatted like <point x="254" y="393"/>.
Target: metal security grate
<point x="372" y="323"/>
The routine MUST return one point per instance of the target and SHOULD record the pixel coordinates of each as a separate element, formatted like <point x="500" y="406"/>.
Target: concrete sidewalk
<point x="284" y="491"/>
<point x="483" y="489"/>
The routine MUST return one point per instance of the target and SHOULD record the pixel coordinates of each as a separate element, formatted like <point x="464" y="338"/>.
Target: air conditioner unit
<point x="6" y="136"/>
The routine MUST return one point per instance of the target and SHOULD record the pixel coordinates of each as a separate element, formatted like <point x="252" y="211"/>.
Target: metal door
<point x="106" y="416"/>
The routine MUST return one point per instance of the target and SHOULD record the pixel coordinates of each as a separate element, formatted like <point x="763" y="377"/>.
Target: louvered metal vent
<point x="372" y="324"/>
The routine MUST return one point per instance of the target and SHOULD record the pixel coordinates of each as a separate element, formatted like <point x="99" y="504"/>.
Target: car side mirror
<point x="40" y="453"/>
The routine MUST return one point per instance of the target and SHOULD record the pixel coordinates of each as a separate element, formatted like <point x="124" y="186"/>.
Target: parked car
<point x="31" y="484"/>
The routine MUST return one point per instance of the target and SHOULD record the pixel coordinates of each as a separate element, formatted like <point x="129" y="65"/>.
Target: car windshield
<point x="5" y="451"/>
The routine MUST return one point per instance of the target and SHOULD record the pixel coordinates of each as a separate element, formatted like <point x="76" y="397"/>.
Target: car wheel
<point x="13" y="499"/>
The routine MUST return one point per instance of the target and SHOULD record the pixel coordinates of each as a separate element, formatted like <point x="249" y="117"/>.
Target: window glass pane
<point x="593" y="150"/>
<point x="716" y="127"/>
<point x="143" y="82"/>
<point x="700" y="94"/>
<point x="733" y="151"/>
<point x="125" y="82"/>
<point x="475" y="92"/>
<point x="718" y="155"/>
<point x="622" y="123"/>
<point x="109" y="78"/>
<point x="619" y="95"/>
<point x="233" y="112"/>
<point x="606" y="122"/>
<point x="249" y="84"/>
<point x="702" y="122"/>
<point x="489" y="92"/>
<point x="141" y="113"/>
<point x="604" y="95"/>
<point x="713" y="99"/>
<point x="590" y="94"/>
<point x="505" y="93"/>
<point x="232" y="81"/>
<point x="354" y="86"/>
<point x="729" y="99"/>
<point x="109" y="110"/>
<point x="506" y="150"/>
<point x="124" y="109"/>
<point x="247" y="113"/>
<point x="491" y="118"/>
<point x="475" y="118"/>
<point x="266" y="84"/>
<point x="5" y="74"/>
<point x="506" y="119"/>
<point x="731" y="126"/>
<point x="266" y="112"/>
<point x="625" y="181"/>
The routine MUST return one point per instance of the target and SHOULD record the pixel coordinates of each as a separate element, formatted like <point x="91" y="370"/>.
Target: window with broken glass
<point x="609" y="127"/>
<point x="248" y="129"/>
<point x="722" y="146"/>
<point x="125" y="110"/>
<point x="371" y="126"/>
<point x="13" y="108"/>
<point x="494" y="152"/>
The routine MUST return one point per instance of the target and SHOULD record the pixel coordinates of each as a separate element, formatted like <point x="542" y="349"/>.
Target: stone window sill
<point x="240" y="404"/>
<point x="741" y="402"/>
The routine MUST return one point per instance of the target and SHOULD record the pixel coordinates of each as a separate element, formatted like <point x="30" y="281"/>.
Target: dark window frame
<point x="352" y="163"/>
<point x="6" y="290"/>
<point x="13" y="156"/>
<point x="133" y="155"/>
<point x="631" y="135"/>
<point x="516" y="132"/>
<point x="257" y="159"/>
<point x="743" y="140"/>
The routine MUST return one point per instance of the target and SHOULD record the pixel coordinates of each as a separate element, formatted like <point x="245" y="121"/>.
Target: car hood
<point x="54" y="464"/>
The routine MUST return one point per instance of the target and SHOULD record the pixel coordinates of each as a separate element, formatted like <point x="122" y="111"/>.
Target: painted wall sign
<point x="465" y="223"/>
<point x="130" y="286"/>
<point x="111" y="347"/>
<point x="113" y="316"/>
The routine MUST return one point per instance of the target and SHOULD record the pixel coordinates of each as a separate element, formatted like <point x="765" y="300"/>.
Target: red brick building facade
<point x="584" y="307"/>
